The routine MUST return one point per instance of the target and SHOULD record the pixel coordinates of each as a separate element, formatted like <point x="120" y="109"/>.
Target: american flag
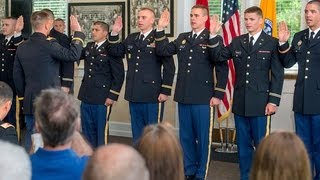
<point x="230" y="29"/>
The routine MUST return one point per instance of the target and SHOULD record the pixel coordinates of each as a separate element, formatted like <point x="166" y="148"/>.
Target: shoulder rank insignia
<point x="50" y="38"/>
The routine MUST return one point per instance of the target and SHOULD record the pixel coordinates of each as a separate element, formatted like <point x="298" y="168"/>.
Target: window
<point x="59" y="7"/>
<point x="290" y="12"/>
<point x="215" y="6"/>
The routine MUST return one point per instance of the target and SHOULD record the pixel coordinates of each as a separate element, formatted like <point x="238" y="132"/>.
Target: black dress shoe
<point x="190" y="177"/>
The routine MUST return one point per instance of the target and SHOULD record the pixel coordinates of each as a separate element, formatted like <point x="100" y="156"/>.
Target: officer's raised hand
<point x="283" y="32"/>
<point x="74" y="24"/>
<point x="164" y="20"/>
<point x="117" y="26"/>
<point x="19" y="24"/>
<point x="215" y="25"/>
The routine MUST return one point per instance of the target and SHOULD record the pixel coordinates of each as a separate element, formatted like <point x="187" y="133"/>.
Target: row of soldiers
<point x="259" y="62"/>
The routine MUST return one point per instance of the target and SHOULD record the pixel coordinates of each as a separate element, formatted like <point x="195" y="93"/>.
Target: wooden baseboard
<point x="124" y="130"/>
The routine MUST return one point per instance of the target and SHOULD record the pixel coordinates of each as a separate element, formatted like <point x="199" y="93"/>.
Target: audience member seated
<point x="281" y="156"/>
<point x="116" y="162"/>
<point x="14" y="162"/>
<point x="7" y="131"/>
<point x="162" y="151"/>
<point x="57" y="115"/>
<point x="78" y="144"/>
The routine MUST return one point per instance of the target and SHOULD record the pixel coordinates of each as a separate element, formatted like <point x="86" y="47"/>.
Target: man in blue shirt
<point x="57" y="117"/>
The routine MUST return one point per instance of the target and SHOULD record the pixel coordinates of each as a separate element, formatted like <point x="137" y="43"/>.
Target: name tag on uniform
<point x="103" y="55"/>
<point x="130" y="46"/>
<point x="238" y="52"/>
<point x="265" y="52"/>
<point x="203" y="46"/>
<point x="152" y="45"/>
<point x="11" y="49"/>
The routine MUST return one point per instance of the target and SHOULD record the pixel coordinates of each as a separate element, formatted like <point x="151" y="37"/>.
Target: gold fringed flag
<point x="268" y="8"/>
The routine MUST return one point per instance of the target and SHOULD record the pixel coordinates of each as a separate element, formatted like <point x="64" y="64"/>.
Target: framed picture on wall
<point x="87" y="13"/>
<point x="3" y="8"/>
<point x="157" y="5"/>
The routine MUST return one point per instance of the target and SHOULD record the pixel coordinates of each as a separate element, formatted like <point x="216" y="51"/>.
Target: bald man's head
<point x="116" y="161"/>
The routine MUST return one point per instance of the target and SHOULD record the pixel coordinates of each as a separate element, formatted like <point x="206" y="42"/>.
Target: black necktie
<point x="96" y="46"/>
<point x="311" y="36"/>
<point x="194" y="37"/>
<point x="5" y="42"/>
<point x="141" y="38"/>
<point x="251" y="42"/>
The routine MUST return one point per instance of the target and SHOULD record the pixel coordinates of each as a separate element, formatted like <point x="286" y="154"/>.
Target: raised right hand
<point x="19" y="25"/>
<point x="74" y="24"/>
<point x="164" y="20"/>
<point x="215" y="25"/>
<point x="117" y="26"/>
<point x="283" y="32"/>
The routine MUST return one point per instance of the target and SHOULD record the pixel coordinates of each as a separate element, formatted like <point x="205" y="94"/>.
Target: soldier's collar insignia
<point x="183" y="41"/>
<point x="299" y="43"/>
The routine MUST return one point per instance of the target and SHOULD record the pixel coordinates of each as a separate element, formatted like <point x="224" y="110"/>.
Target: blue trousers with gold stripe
<point x="250" y="131"/>
<point x="93" y="122"/>
<point x="308" y="129"/>
<point x="195" y="132"/>
<point x="143" y="114"/>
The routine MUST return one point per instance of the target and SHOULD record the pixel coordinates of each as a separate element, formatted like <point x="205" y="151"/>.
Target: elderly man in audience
<point x="7" y="130"/>
<point x="57" y="117"/>
<point x="14" y="162"/>
<point x="115" y="162"/>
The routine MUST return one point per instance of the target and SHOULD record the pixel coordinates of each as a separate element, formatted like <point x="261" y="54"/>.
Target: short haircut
<point x="10" y="17"/>
<point x="281" y="155"/>
<point x="57" y="115"/>
<point x="204" y="8"/>
<point x="116" y="161"/>
<point x="162" y="151"/>
<point x="317" y="2"/>
<point x="14" y="162"/>
<point x="49" y="12"/>
<point x="59" y="19"/>
<point x="148" y="9"/>
<point x="6" y="93"/>
<point x="38" y="19"/>
<point x="102" y="24"/>
<point x="254" y="9"/>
